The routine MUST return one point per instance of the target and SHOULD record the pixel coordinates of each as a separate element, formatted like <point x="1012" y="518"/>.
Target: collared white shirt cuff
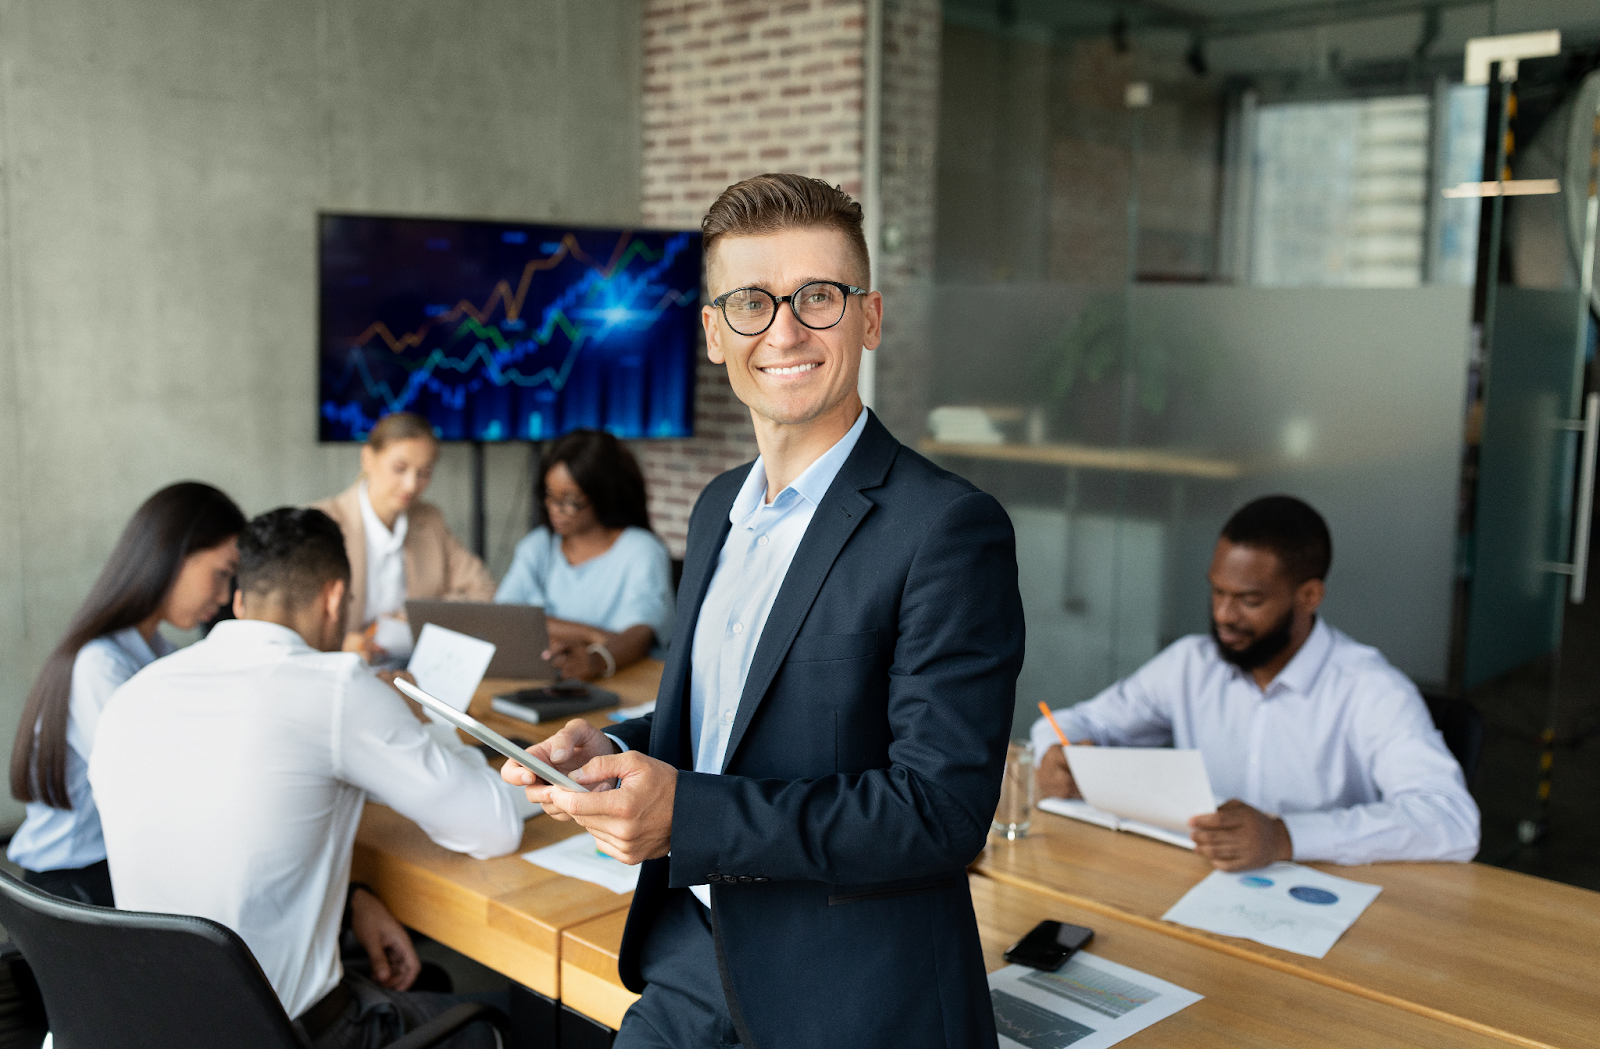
<point x="1313" y="835"/>
<point x="703" y="894"/>
<point x="622" y="748"/>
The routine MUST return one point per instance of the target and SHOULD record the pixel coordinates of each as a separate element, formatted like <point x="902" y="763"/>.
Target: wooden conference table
<point x="1481" y="948"/>
<point x="504" y="913"/>
<point x="1244" y="1004"/>
<point x="1448" y="955"/>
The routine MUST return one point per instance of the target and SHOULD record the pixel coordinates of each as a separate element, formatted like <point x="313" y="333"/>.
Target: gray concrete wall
<point x="161" y="166"/>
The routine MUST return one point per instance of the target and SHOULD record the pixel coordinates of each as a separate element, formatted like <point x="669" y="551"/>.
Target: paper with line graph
<point x="1089" y="1003"/>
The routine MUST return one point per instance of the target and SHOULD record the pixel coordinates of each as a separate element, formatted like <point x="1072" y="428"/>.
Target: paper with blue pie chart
<point x="1285" y="905"/>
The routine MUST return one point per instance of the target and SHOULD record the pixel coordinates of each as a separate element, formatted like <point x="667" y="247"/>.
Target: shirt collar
<point x="146" y="652"/>
<point x="812" y="484"/>
<point x="385" y="540"/>
<point x="257" y="632"/>
<point x="1300" y="674"/>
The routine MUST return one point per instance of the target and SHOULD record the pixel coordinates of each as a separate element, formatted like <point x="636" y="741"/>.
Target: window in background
<point x="1461" y="160"/>
<point x="1341" y="193"/>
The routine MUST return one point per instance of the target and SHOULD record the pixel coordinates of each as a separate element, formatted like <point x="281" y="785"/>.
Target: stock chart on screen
<point x="499" y="331"/>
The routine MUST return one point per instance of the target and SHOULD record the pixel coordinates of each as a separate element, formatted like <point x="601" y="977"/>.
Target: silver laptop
<point x="517" y="631"/>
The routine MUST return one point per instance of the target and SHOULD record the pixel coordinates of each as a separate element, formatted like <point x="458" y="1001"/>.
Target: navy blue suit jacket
<point x="864" y="764"/>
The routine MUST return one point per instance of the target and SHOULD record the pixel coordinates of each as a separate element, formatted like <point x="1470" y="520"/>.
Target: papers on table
<point x="579" y="857"/>
<point x="1082" y="810"/>
<point x="1089" y="1003"/>
<point x="629" y="713"/>
<point x="449" y="665"/>
<point x="1285" y="905"/>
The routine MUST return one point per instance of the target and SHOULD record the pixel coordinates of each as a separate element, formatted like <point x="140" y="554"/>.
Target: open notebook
<point x="1145" y="790"/>
<point x="1082" y="810"/>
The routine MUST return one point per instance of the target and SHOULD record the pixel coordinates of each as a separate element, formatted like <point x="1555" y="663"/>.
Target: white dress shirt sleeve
<point x="1135" y="712"/>
<point x="1425" y="812"/>
<point x="381" y="748"/>
<point x="99" y="669"/>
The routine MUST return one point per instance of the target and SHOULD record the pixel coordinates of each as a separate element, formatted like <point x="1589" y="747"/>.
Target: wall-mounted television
<point x="505" y="331"/>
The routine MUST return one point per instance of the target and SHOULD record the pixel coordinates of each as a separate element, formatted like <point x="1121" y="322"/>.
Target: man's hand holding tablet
<point x="482" y="733"/>
<point x="633" y="821"/>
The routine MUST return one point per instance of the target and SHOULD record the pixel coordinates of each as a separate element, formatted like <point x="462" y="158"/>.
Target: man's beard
<point x="1262" y="650"/>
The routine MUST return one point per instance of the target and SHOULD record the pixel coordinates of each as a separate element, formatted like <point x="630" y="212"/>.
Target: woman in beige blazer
<point x="399" y="546"/>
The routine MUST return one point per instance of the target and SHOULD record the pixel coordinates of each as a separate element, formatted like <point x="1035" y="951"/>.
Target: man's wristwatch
<point x="604" y="653"/>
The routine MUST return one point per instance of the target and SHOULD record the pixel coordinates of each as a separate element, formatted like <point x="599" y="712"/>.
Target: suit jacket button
<point x="746" y="879"/>
<point x="760" y="877"/>
<point x="713" y="876"/>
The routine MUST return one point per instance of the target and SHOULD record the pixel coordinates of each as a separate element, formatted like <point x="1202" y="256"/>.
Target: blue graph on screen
<point x="500" y="331"/>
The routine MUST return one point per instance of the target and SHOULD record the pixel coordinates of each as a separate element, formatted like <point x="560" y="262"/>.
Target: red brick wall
<point x="735" y="88"/>
<point x="910" y="112"/>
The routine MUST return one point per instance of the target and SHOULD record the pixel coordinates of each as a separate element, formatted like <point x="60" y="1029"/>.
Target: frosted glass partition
<point x="1121" y="428"/>
<point x="1352" y="399"/>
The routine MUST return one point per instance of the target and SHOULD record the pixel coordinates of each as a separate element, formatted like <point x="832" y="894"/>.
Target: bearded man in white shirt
<point x="1325" y="750"/>
<point x="263" y="846"/>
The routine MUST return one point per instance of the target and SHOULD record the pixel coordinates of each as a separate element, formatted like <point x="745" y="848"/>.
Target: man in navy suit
<point x="824" y="758"/>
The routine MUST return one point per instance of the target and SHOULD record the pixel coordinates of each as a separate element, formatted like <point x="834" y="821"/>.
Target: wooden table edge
<point x="1205" y="940"/>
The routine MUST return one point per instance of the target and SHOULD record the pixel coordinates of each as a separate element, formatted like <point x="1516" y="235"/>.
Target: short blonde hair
<point x="770" y="203"/>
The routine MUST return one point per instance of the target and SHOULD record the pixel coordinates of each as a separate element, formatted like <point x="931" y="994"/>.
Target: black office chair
<point x="1461" y="724"/>
<point x="161" y="981"/>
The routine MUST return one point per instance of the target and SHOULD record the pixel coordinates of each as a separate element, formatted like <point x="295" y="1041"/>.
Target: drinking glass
<point x="1015" y="814"/>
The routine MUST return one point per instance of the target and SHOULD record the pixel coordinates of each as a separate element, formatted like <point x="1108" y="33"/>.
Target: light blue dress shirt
<point x="1339" y="744"/>
<point x="59" y="839"/>
<point x="750" y="571"/>
<point x="627" y="585"/>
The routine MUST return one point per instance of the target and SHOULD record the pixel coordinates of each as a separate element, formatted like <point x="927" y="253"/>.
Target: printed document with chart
<point x="1089" y="1003"/>
<point x="1285" y="905"/>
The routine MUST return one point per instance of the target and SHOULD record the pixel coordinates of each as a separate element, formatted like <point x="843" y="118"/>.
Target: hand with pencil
<point x="1053" y="779"/>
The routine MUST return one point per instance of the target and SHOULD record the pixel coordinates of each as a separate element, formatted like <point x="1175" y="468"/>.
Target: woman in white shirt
<point x="174" y="563"/>
<point x="399" y="545"/>
<point x="601" y="575"/>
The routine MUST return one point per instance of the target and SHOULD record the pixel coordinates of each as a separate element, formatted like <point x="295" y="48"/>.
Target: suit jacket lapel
<point x="669" y="738"/>
<point x="837" y="517"/>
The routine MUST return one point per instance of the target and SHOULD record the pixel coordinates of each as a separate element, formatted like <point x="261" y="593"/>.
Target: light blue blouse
<point x="628" y="585"/>
<point x="56" y="839"/>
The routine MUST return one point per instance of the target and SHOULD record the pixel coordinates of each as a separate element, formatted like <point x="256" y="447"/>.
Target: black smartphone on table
<point x="1049" y="945"/>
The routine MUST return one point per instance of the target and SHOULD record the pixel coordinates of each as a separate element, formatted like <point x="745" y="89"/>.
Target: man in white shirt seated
<point x="233" y="774"/>
<point x="1326" y="751"/>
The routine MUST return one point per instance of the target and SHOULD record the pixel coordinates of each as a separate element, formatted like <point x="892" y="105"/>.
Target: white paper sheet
<point x="629" y="713"/>
<point x="1089" y="1003"/>
<point x="449" y="665"/>
<point x="393" y="636"/>
<point x="1285" y="905"/>
<point x="579" y="857"/>
<point x="1154" y="785"/>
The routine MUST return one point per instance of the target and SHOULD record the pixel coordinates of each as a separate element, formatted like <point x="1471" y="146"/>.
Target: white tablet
<point x="478" y="730"/>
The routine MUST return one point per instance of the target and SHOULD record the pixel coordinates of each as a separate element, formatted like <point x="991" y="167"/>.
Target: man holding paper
<point x="1326" y="751"/>
<point x="825" y="756"/>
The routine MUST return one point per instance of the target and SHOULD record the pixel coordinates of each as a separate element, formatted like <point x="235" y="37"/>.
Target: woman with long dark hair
<point x="174" y="563"/>
<point x="602" y="576"/>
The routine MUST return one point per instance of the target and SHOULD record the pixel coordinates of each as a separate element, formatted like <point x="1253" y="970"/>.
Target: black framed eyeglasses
<point x="570" y="505"/>
<point x="818" y="305"/>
